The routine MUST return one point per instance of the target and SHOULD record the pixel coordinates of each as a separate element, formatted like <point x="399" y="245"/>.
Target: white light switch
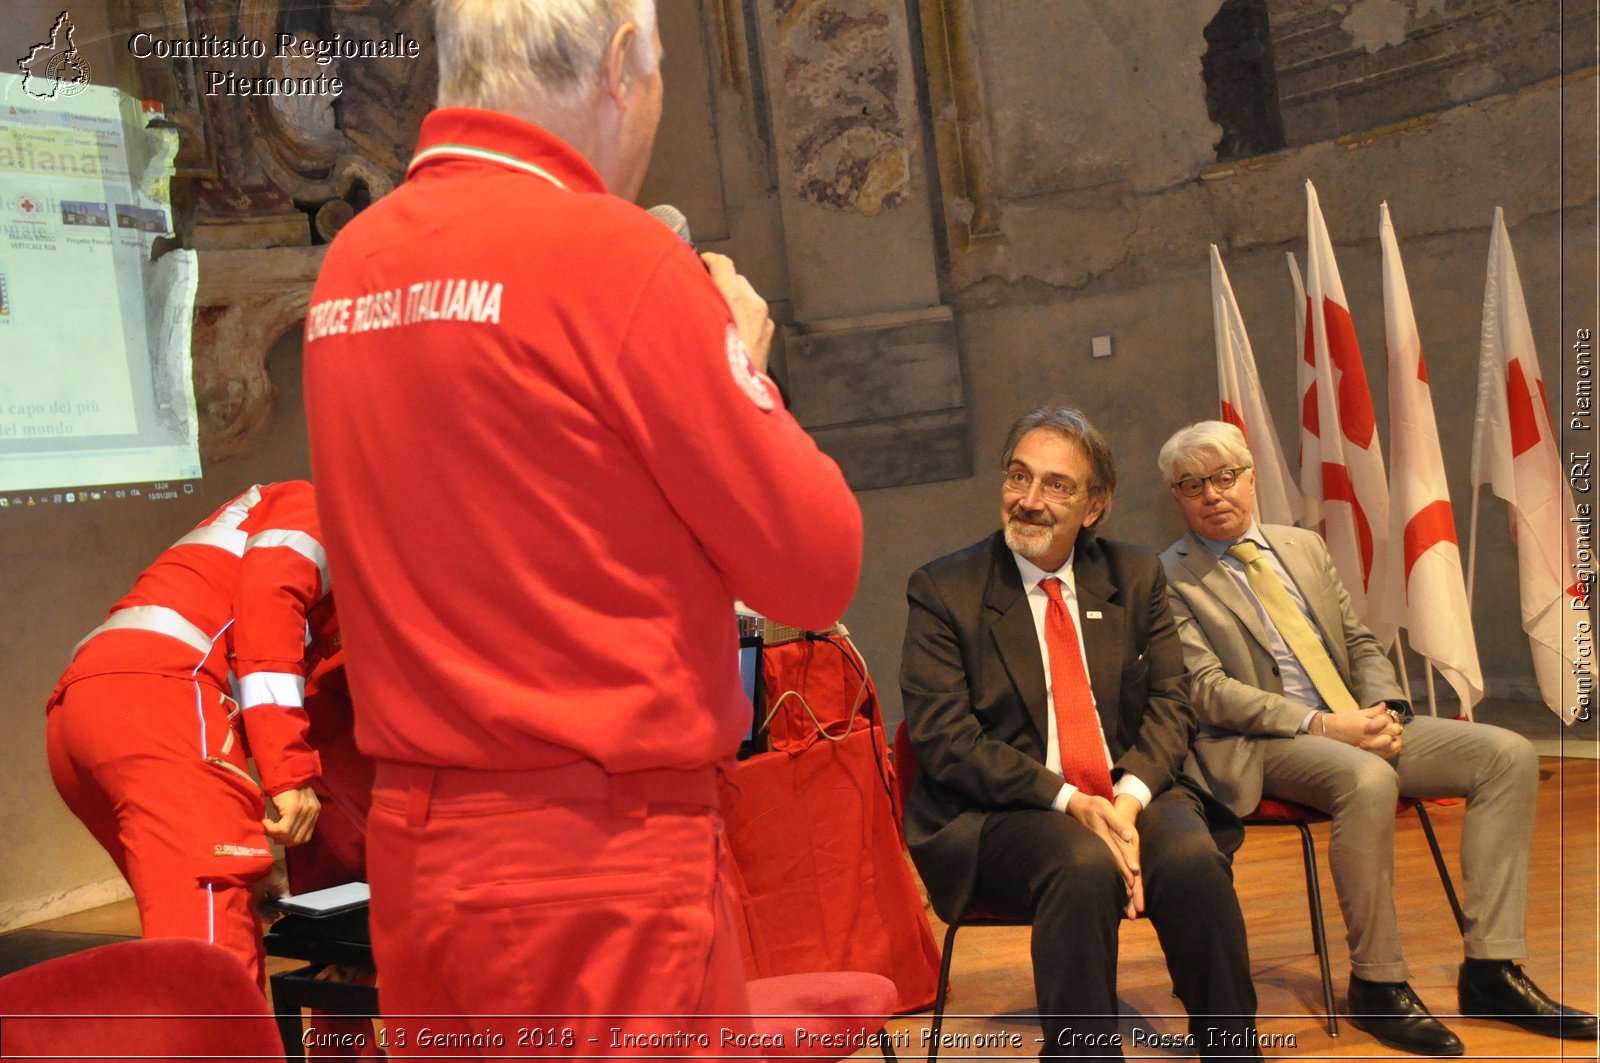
<point x="1102" y="347"/>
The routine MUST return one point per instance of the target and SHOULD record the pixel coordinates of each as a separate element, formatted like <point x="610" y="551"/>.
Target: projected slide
<point x="95" y="378"/>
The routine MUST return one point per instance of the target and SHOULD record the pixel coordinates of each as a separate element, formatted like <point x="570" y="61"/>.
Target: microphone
<point x="674" y="219"/>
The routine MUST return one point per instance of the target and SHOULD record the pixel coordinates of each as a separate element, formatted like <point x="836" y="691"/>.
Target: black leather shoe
<point x="1391" y="1012"/>
<point x="1500" y="989"/>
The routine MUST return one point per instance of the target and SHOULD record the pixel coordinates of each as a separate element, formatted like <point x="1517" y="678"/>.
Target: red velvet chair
<point x="1273" y="813"/>
<point x="906" y="767"/>
<point x="840" y="1012"/>
<point x="157" y="998"/>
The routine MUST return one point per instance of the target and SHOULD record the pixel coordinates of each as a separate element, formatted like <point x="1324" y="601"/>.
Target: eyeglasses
<point x="1222" y="479"/>
<point x="1053" y="488"/>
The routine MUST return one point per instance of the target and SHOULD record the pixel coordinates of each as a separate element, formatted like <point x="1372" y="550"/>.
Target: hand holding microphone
<point x="750" y="314"/>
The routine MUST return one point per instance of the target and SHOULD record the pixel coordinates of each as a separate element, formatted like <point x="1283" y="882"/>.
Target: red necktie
<point x="1083" y="754"/>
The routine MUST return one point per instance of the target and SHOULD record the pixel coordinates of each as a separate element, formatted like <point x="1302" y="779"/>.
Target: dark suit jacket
<point x="973" y="685"/>
<point x="1238" y="693"/>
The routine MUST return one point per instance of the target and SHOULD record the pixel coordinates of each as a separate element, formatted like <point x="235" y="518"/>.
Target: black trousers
<point x="1046" y="865"/>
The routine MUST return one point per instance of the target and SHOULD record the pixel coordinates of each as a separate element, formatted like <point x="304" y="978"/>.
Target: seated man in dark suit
<point x="1050" y="782"/>
<point x="1297" y="701"/>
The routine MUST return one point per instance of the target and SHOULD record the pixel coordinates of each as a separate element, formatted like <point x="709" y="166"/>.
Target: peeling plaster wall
<point x="1345" y="66"/>
<point x="1086" y="95"/>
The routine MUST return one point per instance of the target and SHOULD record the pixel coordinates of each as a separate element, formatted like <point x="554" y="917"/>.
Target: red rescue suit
<point x="548" y="467"/>
<point x="148" y="748"/>
<point x="337" y="853"/>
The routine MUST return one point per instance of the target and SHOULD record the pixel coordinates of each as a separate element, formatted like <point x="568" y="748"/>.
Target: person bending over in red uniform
<point x="148" y="747"/>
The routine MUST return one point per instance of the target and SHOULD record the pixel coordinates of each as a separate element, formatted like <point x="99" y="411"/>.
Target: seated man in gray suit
<point x="1297" y="701"/>
<point x="1045" y="694"/>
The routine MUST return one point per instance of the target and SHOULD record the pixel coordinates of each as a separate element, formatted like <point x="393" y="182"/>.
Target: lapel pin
<point x="1093" y="614"/>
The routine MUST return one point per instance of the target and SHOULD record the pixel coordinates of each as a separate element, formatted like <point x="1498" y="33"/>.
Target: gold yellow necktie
<point x="1291" y="623"/>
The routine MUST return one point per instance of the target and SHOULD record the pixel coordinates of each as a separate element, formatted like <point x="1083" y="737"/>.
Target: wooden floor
<point x="992" y="974"/>
<point x="992" y="994"/>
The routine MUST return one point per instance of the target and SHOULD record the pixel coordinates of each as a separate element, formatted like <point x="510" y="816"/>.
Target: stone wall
<point x="1348" y="66"/>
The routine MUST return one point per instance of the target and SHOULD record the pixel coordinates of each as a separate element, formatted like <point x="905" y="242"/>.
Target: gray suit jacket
<point x="1235" y="686"/>
<point x="974" y="695"/>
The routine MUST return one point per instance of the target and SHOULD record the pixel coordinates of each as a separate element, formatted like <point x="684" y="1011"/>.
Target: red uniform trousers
<point x="337" y="852"/>
<point x="152" y="767"/>
<point x="558" y="912"/>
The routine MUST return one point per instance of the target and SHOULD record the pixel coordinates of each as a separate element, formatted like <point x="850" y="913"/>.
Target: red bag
<point x="822" y="876"/>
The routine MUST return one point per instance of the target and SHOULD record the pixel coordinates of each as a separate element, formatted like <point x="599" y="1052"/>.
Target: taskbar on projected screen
<point x="58" y="497"/>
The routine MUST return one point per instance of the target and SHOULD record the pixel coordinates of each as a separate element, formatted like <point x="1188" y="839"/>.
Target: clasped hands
<point x="1371" y="728"/>
<point x="1113" y="821"/>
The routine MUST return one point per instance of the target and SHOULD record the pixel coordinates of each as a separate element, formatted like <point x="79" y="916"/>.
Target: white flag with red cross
<point x="1516" y="452"/>
<point x="1243" y="406"/>
<point x="1436" y="615"/>
<point x="1340" y="432"/>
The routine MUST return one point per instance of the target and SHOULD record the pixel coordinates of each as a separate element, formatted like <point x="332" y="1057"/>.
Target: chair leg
<point x="1319" y="938"/>
<point x="1444" y="871"/>
<point x="286" y="1004"/>
<point x="940" y="994"/>
<point x="886" y="1045"/>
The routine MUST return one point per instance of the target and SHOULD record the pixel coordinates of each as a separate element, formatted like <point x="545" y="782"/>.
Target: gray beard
<point x="1029" y="540"/>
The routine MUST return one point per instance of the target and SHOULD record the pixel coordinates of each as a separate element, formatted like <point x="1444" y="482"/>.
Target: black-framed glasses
<point x="1222" y="479"/>
<point x="1054" y="488"/>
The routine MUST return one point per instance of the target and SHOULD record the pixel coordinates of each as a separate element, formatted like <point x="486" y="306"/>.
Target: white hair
<point x="1192" y="443"/>
<point x="502" y="54"/>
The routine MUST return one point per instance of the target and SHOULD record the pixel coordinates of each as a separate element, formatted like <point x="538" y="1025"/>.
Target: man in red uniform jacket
<point x="549" y="459"/>
<point x="148" y="748"/>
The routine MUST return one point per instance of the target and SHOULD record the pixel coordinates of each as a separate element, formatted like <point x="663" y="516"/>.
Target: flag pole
<point x="1472" y="544"/>
<point x="1472" y="575"/>
<point x="1399" y="649"/>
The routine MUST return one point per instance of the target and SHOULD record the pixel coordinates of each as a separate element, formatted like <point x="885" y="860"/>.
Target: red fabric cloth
<point x="816" y="687"/>
<point x="821" y="872"/>
<point x="163" y="999"/>
<point x="828" y="1015"/>
<point x="153" y="769"/>
<point x="563" y="902"/>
